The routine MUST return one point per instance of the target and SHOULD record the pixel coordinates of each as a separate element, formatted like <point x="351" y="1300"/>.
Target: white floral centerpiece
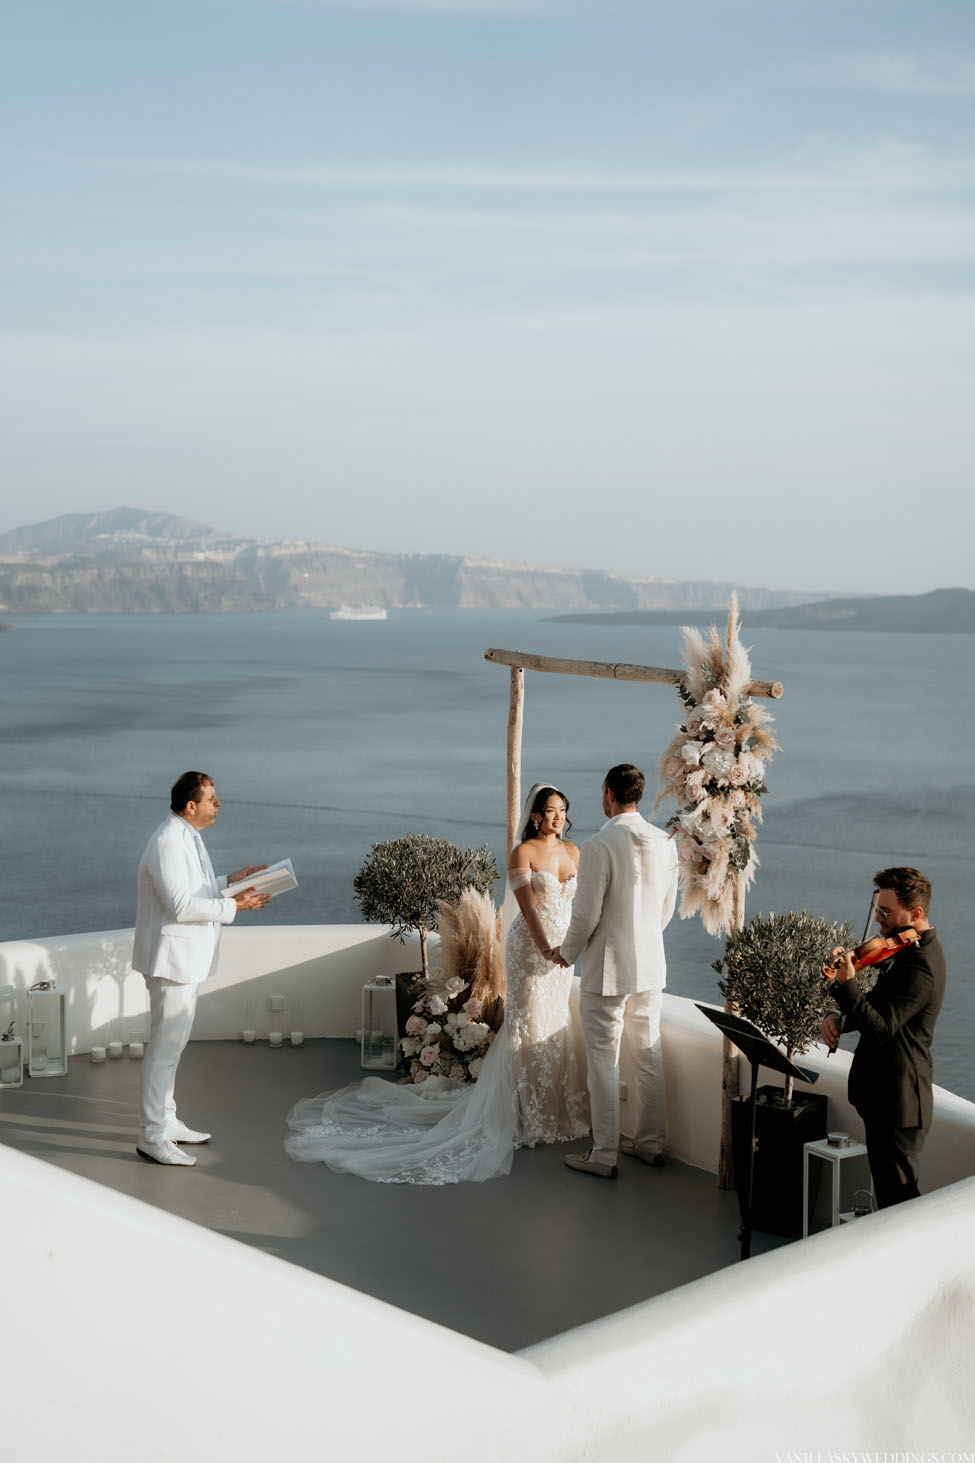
<point x="447" y="1036"/>
<point x="714" y="768"/>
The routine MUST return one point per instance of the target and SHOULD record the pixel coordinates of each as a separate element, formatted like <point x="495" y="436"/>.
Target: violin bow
<point x="870" y="916"/>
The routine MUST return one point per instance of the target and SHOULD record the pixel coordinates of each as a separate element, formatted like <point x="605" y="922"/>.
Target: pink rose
<point x="474" y="1008"/>
<point x="672" y="767"/>
<point x="737" y="798"/>
<point x="737" y="775"/>
<point x="416" y="1026"/>
<point x="429" y="1055"/>
<point x="725" y="736"/>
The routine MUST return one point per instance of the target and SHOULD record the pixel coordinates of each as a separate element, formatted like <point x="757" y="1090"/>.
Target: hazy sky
<point x="681" y="288"/>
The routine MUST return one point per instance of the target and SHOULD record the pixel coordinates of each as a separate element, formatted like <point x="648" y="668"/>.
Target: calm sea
<point x="324" y="737"/>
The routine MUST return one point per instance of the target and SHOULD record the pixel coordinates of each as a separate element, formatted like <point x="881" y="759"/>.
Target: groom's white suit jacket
<point x="625" y="896"/>
<point x="177" y="927"/>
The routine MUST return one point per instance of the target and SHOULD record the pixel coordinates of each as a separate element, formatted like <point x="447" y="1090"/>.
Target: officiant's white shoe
<point x="165" y="1152"/>
<point x="180" y="1133"/>
<point x="585" y="1163"/>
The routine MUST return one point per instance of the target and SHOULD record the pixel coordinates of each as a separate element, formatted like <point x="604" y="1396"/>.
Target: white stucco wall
<point x="131" y="1333"/>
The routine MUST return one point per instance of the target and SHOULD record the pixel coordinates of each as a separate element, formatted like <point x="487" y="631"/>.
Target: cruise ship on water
<point x="359" y="612"/>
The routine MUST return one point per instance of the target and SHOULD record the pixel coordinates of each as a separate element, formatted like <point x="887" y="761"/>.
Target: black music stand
<point x="760" y="1052"/>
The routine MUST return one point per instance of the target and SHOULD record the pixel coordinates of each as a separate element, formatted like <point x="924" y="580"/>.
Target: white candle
<point x="115" y="1050"/>
<point x="98" y="1053"/>
<point x="274" y="1038"/>
<point x="248" y="1034"/>
<point x="10" y="1074"/>
<point x="136" y="1049"/>
<point x="297" y="1038"/>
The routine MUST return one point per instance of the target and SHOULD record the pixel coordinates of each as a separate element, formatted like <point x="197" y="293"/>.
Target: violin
<point x="872" y="952"/>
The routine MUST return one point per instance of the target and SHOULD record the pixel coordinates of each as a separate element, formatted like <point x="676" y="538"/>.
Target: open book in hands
<point x="275" y="879"/>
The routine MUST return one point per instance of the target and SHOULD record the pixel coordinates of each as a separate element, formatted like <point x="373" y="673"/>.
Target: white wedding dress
<point x="530" y="1089"/>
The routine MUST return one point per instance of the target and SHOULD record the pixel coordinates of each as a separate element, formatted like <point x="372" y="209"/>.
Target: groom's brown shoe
<point x="585" y="1163"/>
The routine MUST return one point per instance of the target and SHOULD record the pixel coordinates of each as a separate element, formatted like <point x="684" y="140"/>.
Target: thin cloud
<point x="933" y="73"/>
<point x="884" y="167"/>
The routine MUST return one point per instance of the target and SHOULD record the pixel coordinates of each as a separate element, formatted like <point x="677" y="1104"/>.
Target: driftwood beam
<point x="610" y="670"/>
<point x="516" y="716"/>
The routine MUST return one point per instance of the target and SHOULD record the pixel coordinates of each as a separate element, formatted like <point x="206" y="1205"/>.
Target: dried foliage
<point x="470" y="945"/>
<point x="714" y="768"/>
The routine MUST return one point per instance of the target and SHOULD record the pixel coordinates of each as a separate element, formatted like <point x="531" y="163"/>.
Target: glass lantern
<point x="379" y="1031"/>
<point x="836" y="1182"/>
<point x="47" y="1048"/>
<point x="11" y="1046"/>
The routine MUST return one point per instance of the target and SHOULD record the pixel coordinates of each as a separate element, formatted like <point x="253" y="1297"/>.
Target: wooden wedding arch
<point x="519" y="661"/>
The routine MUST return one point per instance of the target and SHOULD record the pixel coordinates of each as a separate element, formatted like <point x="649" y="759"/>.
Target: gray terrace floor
<point x="510" y="1262"/>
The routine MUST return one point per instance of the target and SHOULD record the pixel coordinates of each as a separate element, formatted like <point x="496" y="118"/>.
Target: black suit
<point x="891" y="1073"/>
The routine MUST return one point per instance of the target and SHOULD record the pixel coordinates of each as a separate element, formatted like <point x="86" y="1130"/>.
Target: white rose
<point x="434" y="1029"/>
<point x="436" y="1005"/>
<point x="691" y="753"/>
<point x="474" y="1070"/>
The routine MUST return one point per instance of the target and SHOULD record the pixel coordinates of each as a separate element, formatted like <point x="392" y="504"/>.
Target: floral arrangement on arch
<point x="714" y="768"/>
<point x="446" y="1035"/>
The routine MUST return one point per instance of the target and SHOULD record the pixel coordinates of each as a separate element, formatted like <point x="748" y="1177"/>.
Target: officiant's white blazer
<point x="180" y="911"/>
<point x="625" y="896"/>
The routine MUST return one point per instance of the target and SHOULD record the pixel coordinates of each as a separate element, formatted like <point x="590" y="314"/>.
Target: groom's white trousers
<point x="172" y="1007"/>
<point x="630" y="1023"/>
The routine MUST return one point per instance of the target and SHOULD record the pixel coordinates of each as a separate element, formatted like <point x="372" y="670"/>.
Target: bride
<point x="530" y="1089"/>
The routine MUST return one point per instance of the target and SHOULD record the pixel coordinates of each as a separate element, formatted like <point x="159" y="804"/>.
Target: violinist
<point x="891" y="1073"/>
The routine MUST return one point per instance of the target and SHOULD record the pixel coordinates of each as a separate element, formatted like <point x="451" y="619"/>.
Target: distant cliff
<point x="133" y="562"/>
<point x="942" y="611"/>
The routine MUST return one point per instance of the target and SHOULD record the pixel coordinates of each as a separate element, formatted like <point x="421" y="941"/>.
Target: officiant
<point x="182" y="906"/>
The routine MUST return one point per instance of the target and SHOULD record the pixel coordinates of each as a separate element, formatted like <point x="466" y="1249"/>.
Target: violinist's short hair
<point x="910" y="886"/>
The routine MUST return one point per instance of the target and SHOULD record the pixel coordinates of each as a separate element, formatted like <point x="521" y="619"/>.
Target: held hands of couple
<point x="554" y="953"/>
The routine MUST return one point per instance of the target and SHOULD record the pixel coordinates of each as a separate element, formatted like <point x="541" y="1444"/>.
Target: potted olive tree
<point x="773" y="972"/>
<point x="402" y="883"/>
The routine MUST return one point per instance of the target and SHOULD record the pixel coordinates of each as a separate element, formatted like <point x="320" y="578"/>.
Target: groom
<point x="626" y="892"/>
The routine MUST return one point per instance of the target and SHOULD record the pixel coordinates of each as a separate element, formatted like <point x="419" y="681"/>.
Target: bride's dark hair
<point x="538" y="806"/>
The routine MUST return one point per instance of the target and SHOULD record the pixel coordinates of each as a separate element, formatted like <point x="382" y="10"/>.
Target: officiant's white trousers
<point x="171" y="1010"/>
<point x="632" y="1024"/>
